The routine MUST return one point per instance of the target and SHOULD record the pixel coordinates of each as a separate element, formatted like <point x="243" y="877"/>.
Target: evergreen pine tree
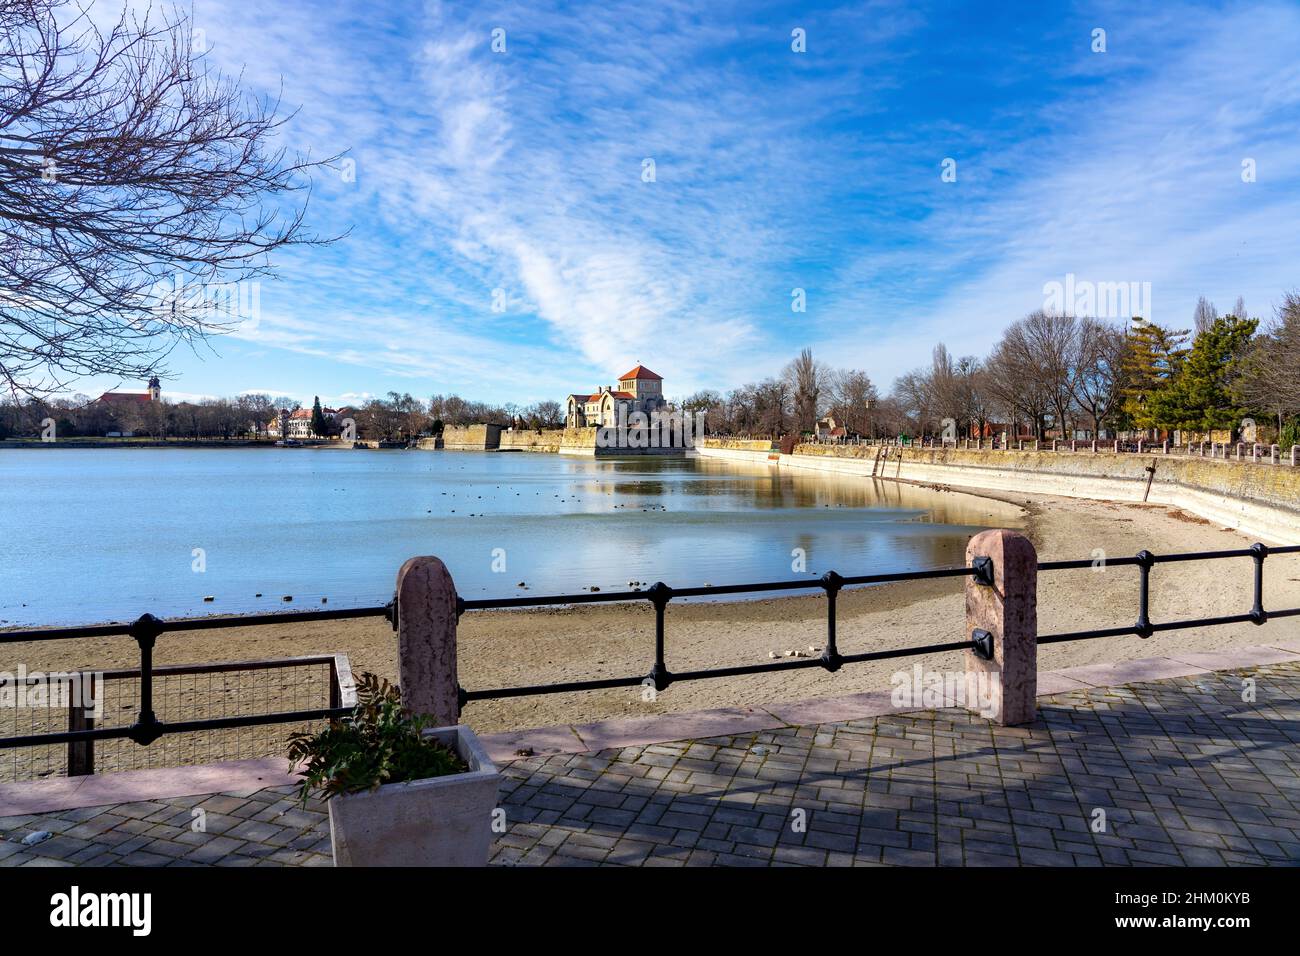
<point x="319" y="425"/>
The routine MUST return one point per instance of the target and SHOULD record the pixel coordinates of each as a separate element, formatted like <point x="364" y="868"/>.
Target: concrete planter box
<point x="442" y="821"/>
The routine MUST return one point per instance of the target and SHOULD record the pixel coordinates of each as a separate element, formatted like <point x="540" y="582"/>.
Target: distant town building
<point x="639" y="390"/>
<point x="131" y="399"/>
<point x="830" y="430"/>
<point x="299" y="423"/>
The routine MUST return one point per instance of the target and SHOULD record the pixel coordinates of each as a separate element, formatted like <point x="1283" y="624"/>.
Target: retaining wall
<point x="1259" y="500"/>
<point x="469" y="437"/>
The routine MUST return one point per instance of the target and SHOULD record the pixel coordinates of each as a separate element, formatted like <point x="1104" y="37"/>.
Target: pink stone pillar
<point x="426" y="640"/>
<point x="1008" y="611"/>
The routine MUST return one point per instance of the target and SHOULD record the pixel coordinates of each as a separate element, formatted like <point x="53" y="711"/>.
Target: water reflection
<point x="119" y="527"/>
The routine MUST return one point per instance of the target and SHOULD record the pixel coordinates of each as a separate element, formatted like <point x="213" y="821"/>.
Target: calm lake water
<point x="106" y="534"/>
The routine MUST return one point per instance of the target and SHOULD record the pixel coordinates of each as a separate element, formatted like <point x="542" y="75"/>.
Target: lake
<point x="95" y="535"/>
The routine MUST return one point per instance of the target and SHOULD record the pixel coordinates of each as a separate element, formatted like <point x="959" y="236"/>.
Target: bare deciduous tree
<point x="1096" y="371"/>
<point x="1268" y="376"/>
<point x="132" y="178"/>
<point x="805" y="376"/>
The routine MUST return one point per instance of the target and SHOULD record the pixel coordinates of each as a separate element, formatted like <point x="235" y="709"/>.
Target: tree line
<point x="393" y="417"/>
<point x="1050" y="375"/>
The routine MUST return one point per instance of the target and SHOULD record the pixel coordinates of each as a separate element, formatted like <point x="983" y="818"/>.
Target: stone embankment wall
<point x="467" y="438"/>
<point x="553" y="441"/>
<point x="561" y="441"/>
<point x="738" y="449"/>
<point x="1258" y="499"/>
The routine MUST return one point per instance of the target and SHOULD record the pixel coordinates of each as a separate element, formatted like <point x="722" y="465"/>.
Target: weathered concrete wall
<point x="735" y="449"/>
<point x="471" y="437"/>
<point x="548" y="440"/>
<point x="1258" y="499"/>
<point x="738" y="444"/>
<point x="562" y="441"/>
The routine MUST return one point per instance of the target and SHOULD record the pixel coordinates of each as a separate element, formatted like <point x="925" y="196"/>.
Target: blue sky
<point x="775" y="170"/>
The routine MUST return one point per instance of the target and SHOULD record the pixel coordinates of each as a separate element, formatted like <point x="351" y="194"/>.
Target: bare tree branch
<point x="133" y="181"/>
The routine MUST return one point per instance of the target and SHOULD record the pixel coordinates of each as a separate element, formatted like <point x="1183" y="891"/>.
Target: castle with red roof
<point x="639" y="390"/>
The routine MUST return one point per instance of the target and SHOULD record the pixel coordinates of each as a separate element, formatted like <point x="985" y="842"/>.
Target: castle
<point x="639" y="390"/>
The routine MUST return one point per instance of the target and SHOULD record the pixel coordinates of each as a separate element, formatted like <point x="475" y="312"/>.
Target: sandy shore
<point x="541" y="646"/>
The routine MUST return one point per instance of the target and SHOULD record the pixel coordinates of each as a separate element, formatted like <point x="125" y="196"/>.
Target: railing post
<point x="426" y="611"/>
<point x="831" y="581"/>
<point x="146" y="629"/>
<point x="1002" y="623"/>
<point x="1143" y="628"/>
<point x="81" y="753"/>
<point x="660" y="676"/>
<point x="1257" y="613"/>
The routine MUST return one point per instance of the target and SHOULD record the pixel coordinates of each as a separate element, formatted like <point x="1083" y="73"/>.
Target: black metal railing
<point x="85" y="700"/>
<point x="1144" y="561"/>
<point x="659" y="594"/>
<point x="147" y="727"/>
<point x="147" y="629"/>
<point x="831" y="659"/>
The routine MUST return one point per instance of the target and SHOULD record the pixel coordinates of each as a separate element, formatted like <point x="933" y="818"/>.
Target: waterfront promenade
<point x="1167" y="765"/>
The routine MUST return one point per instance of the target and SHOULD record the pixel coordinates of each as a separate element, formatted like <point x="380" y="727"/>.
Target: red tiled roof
<point x="121" y="397"/>
<point x="640" y="372"/>
<point x="597" y="396"/>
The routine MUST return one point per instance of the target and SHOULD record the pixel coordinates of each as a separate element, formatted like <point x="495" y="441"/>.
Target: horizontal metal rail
<point x="190" y="624"/>
<point x="1144" y="561"/>
<point x="82" y="734"/>
<point x="146" y="630"/>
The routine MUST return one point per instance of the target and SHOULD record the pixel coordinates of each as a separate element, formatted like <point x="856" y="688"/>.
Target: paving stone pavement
<point x="1171" y="772"/>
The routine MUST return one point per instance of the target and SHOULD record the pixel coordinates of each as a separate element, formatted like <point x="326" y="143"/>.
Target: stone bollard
<point x="1002" y="620"/>
<point x="1117" y="446"/>
<point x="426" y="640"/>
<point x="1272" y="454"/>
<point x="1165" y="447"/>
<point x="1254" y="452"/>
<point x="1094" y="446"/>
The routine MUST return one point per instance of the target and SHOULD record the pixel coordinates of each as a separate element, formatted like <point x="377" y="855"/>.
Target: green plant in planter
<point x="380" y="743"/>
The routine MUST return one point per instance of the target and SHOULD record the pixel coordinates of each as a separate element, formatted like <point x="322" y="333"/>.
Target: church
<point x="639" y="390"/>
<point x="120" y="399"/>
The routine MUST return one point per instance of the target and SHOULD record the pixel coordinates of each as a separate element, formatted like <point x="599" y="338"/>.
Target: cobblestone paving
<point x="1179" y="772"/>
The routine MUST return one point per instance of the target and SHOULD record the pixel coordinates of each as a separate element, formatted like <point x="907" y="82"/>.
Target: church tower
<point x="155" y="390"/>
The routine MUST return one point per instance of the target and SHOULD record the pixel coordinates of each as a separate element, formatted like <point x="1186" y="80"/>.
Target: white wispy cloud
<point x="521" y="171"/>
